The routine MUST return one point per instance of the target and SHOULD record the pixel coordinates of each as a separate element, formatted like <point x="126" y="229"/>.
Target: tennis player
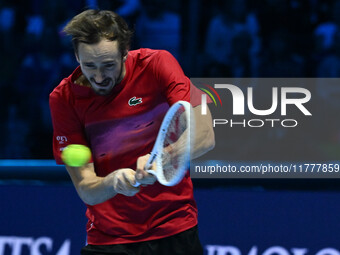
<point x="114" y="103"/>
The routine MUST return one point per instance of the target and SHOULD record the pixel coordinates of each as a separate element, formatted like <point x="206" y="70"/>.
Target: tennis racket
<point x="171" y="151"/>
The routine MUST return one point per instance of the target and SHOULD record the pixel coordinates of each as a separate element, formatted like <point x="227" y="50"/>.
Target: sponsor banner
<point x="50" y="219"/>
<point x="270" y="127"/>
<point x="16" y="245"/>
<point x="254" y="221"/>
<point x="274" y="250"/>
<point x="41" y="219"/>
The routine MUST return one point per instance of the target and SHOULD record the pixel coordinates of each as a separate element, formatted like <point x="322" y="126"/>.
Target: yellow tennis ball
<point x="76" y="155"/>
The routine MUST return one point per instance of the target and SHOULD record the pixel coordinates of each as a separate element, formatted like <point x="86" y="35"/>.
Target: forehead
<point x="98" y="51"/>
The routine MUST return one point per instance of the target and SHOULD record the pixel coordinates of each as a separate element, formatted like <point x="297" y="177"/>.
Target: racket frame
<point x="156" y="153"/>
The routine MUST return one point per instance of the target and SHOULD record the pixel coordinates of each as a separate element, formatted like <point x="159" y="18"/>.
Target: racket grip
<point x="150" y="161"/>
<point x="137" y="184"/>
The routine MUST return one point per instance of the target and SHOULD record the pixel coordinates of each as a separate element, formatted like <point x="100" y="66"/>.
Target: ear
<point x="125" y="56"/>
<point x="77" y="57"/>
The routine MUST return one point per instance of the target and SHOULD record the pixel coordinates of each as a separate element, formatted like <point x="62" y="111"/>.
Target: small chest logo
<point x="134" y="101"/>
<point x="61" y="139"/>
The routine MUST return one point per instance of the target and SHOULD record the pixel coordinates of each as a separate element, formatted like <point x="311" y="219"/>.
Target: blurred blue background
<point x="40" y="211"/>
<point x="215" y="38"/>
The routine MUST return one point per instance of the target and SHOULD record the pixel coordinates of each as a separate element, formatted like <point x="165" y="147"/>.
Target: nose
<point x="99" y="76"/>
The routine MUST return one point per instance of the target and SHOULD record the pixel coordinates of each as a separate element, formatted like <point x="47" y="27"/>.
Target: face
<point x="102" y="64"/>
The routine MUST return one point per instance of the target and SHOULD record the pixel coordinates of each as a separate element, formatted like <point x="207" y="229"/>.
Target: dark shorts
<point x="184" y="243"/>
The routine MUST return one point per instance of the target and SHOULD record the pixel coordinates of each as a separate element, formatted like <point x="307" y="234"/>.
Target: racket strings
<point x="174" y="145"/>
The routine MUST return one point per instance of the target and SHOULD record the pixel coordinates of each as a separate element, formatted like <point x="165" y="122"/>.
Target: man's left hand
<point x="142" y="176"/>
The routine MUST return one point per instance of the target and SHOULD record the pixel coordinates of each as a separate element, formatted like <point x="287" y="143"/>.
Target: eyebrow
<point x="110" y="61"/>
<point x="105" y="62"/>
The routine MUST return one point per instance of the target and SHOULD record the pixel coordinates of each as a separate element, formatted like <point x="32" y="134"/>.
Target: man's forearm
<point x="91" y="188"/>
<point x="204" y="137"/>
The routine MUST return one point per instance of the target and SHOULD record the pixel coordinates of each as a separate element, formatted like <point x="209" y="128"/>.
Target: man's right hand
<point x="123" y="181"/>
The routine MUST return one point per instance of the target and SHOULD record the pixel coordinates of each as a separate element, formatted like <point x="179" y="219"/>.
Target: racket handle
<point x="150" y="161"/>
<point x="137" y="184"/>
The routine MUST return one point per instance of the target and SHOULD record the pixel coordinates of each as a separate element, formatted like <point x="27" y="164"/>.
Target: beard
<point x="104" y="88"/>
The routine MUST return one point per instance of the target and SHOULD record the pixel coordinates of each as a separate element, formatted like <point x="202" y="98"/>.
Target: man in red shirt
<point x="114" y="103"/>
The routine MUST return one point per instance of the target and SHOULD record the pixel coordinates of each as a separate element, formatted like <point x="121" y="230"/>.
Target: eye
<point x="89" y="65"/>
<point x="109" y="65"/>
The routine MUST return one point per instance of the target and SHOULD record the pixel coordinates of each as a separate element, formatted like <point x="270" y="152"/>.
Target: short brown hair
<point x="91" y="26"/>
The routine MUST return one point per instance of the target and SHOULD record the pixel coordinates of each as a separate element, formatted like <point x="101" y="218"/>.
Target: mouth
<point x="103" y="84"/>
